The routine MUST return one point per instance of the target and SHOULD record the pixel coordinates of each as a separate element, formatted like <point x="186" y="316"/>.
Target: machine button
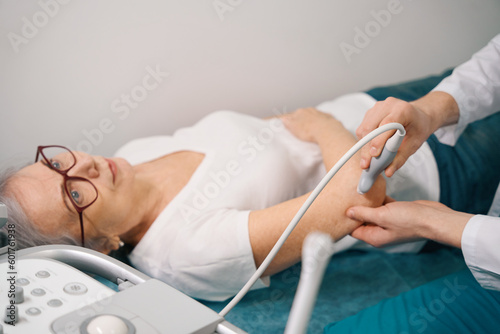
<point x="54" y="303"/>
<point x="18" y="297"/>
<point x="33" y="311"/>
<point x="42" y="274"/>
<point x="11" y="314"/>
<point x="23" y="281"/>
<point x="75" y="288"/>
<point x="38" y="292"/>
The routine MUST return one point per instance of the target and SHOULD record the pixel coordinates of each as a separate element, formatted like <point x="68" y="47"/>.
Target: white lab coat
<point x="475" y="85"/>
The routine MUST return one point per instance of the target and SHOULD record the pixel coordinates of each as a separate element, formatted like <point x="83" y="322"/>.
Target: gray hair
<point x="26" y="233"/>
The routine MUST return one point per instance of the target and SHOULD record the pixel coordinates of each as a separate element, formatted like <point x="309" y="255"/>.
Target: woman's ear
<point x="106" y="244"/>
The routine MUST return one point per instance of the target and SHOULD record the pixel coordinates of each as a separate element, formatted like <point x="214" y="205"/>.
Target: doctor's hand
<point x="420" y="119"/>
<point x="398" y="222"/>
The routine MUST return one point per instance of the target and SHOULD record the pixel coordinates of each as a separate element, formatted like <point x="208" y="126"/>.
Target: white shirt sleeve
<point x="475" y="86"/>
<point x="480" y="246"/>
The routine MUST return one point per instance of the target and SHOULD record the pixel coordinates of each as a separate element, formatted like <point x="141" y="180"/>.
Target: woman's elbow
<point x="375" y="196"/>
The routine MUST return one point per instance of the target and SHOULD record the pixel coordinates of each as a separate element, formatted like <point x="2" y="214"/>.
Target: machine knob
<point x="11" y="314"/>
<point x="18" y="297"/>
<point x="109" y="324"/>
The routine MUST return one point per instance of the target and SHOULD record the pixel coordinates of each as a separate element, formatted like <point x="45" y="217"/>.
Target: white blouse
<point x="199" y="244"/>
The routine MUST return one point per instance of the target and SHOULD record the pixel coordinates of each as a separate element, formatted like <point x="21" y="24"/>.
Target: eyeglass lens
<point x="81" y="191"/>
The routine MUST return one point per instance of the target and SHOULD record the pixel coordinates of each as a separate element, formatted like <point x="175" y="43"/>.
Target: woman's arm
<point x="327" y="213"/>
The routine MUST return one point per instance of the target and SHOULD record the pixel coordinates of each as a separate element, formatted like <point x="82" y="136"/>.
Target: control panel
<point x="50" y="293"/>
<point x="43" y="290"/>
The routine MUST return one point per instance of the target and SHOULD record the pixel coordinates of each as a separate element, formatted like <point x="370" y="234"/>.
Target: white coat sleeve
<point x="475" y="86"/>
<point x="481" y="249"/>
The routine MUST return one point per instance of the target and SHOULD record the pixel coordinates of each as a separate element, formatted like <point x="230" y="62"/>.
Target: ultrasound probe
<point x="378" y="164"/>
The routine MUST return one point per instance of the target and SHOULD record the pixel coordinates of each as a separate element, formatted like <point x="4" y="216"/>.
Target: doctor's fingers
<point x="408" y="147"/>
<point x="385" y="216"/>
<point x="383" y="112"/>
<point x="374" y="116"/>
<point x="389" y="224"/>
<point x="394" y="111"/>
<point x="374" y="235"/>
<point x="376" y="216"/>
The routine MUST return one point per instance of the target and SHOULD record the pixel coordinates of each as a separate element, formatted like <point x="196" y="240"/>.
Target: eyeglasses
<point x="81" y="192"/>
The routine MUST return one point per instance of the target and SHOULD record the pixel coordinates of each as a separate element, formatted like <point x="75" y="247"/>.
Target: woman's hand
<point x="420" y="119"/>
<point x="397" y="222"/>
<point x="308" y="124"/>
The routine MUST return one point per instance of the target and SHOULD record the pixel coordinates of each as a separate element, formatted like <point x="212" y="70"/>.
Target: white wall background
<point x="66" y="66"/>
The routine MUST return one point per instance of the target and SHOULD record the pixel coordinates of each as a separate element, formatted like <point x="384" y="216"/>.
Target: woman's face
<point x="40" y="191"/>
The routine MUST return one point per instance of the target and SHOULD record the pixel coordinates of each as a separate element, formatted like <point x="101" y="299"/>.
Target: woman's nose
<point x="85" y="166"/>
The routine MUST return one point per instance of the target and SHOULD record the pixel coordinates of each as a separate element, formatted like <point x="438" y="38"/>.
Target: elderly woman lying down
<point x="203" y="207"/>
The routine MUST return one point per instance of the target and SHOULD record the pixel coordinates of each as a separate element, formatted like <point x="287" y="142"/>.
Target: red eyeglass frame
<point x="66" y="177"/>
